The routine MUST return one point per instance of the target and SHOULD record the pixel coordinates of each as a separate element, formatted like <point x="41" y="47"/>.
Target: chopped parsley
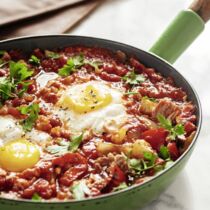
<point x="19" y="71"/>
<point x="36" y="197"/>
<point x="174" y="131"/>
<point x="34" y="60"/>
<point x="6" y="89"/>
<point x="150" y="158"/>
<point x="95" y="64"/>
<point x="75" y="143"/>
<point x="132" y="78"/>
<point x="164" y="153"/>
<point x="149" y="162"/>
<point x="80" y="189"/>
<point x="135" y="164"/>
<point x="72" y="64"/>
<point x="24" y="88"/>
<point x="51" y="54"/>
<point x="76" y="62"/>
<point x="66" y="146"/>
<point x="8" y="85"/>
<point x="141" y="165"/>
<point x="32" y="112"/>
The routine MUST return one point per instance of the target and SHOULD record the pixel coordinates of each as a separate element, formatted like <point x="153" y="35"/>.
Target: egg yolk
<point x="18" y="155"/>
<point x="89" y="100"/>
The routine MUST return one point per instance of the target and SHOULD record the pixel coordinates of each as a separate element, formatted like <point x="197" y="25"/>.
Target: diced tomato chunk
<point x="110" y="77"/>
<point x="156" y="137"/>
<point x="90" y="150"/>
<point x="72" y="174"/>
<point x="189" y="127"/>
<point x="139" y="67"/>
<point x="72" y="158"/>
<point x="14" y="112"/>
<point x="173" y="150"/>
<point x="44" y="189"/>
<point x="76" y="166"/>
<point x="118" y="176"/>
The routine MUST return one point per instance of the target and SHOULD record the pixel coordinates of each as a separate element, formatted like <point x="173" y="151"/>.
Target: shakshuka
<point x="80" y="122"/>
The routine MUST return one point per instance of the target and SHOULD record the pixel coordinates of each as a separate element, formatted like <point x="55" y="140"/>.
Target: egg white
<point x="43" y="78"/>
<point x="38" y="137"/>
<point x="9" y="129"/>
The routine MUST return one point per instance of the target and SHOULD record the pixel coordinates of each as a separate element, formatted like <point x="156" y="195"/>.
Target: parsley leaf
<point x="132" y="78"/>
<point x="164" y="153"/>
<point x="66" y="146"/>
<point x="77" y="60"/>
<point x="75" y="143"/>
<point x="150" y="157"/>
<point x="6" y="89"/>
<point x="66" y="70"/>
<point x="166" y="123"/>
<point x="141" y="165"/>
<point x="179" y="129"/>
<point x="8" y="86"/>
<point x="122" y="186"/>
<point x="36" y="197"/>
<point x="79" y="190"/>
<point x="34" y="60"/>
<point x="19" y="71"/>
<point x="175" y="131"/>
<point x="71" y="66"/>
<point x="52" y="55"/>
<point x="23" y="89"/>
<point x="94" y="63"/>
<point x="32" y="112"/>
<point x="135" y="164"/>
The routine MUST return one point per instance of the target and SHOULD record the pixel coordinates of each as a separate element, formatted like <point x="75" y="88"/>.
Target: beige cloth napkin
<point x="42" y="17"/>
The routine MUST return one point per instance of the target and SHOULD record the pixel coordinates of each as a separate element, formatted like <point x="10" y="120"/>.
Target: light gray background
<point x="138" y="23"/>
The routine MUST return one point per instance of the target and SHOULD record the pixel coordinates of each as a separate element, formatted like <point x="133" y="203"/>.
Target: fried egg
<point x="18" y="155"/>
<point x="19" y="150"/>
<point x="94" y="106"/>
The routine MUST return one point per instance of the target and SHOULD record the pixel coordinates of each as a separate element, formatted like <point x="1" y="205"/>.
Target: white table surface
<point x="138" y="23"/>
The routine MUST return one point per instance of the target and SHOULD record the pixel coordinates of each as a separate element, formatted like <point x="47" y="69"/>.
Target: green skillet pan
<point x="177" y="37"/>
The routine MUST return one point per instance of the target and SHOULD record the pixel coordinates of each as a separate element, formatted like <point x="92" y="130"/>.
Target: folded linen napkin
<point x="42" y="17"/>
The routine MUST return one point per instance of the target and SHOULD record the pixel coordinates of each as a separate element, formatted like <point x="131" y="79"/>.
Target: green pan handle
<point x="183" y="30"/>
